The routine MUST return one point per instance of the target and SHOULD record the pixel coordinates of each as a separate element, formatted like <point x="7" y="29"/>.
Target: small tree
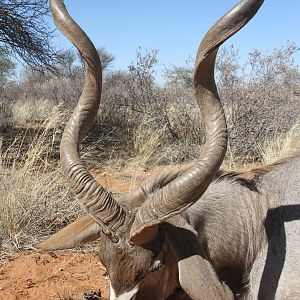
<point x="67" y="65"/>
<point x="106" y="58"/>
<point x="6" y="65"/>
<point x="24" y="33"/>
<point x="180" y="75"/>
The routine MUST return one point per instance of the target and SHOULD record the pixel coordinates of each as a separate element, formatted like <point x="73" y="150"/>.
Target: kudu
<point x="193" y="232"/>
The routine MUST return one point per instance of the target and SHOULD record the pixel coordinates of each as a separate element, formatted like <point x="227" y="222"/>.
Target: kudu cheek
<point x="153" y="286"/>
<point x="124" y="296"/>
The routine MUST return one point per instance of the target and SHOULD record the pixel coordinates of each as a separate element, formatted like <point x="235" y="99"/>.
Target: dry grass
<point x="33" y="198"/>
<point x="33" y="111"/>
<point x="62" y="292"/>
<point x="146" y="142"/>
<point x="282" y="146"/>
<point x="34" y="201"/>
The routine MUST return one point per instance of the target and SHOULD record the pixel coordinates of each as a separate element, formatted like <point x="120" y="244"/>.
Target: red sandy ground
<point x="54" y="275"/>
<point x="64" y="275"/>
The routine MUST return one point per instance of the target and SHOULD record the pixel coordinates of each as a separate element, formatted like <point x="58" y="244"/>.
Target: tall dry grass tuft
<point x="146" y="142"/>
<point x="34" y="200"/>
<point x="32" y="111"/>
<point x="63" y="292"/>
<point x="282" y="146"/>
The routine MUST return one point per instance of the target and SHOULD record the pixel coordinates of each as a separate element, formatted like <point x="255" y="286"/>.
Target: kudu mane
<point x="250" y="175"/>
<point x="247" y="177"/>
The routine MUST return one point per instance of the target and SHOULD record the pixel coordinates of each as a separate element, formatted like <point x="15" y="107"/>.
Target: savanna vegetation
<point x="142" y="123"/>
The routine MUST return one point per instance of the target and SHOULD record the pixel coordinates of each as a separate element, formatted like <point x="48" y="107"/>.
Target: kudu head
<point x="146" y="246"/>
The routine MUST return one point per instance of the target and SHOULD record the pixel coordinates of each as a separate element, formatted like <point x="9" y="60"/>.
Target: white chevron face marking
<point x="126" y="296"/>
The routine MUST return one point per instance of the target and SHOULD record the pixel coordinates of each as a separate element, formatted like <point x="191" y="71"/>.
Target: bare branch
<point x="24" y="33"/>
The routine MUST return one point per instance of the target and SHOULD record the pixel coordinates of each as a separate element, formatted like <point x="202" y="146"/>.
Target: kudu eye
<point x="158" y="265"/>
<point x="158" y="262"/>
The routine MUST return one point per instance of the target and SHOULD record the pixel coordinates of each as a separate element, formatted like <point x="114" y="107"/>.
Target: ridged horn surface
<point x="181" y="193"/>
<point x="97" y="202"/>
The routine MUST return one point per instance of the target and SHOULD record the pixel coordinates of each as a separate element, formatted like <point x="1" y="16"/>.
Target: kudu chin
<point x="194" y="232"/>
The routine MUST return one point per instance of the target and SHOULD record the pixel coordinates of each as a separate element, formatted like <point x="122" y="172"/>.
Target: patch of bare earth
<point x="53" y="275"/>
<point x="64" y="275"/>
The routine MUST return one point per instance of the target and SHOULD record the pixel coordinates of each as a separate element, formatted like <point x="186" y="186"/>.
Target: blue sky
<point x="176" y="27"/>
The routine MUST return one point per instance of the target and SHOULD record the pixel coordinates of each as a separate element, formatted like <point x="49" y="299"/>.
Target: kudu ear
<point x="76" y="234"/>
<point x="196" y="275"/>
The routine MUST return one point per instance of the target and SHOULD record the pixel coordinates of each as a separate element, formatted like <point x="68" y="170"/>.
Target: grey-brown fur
<point x="237" y="218"/>
<point x="238" y="215"/>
